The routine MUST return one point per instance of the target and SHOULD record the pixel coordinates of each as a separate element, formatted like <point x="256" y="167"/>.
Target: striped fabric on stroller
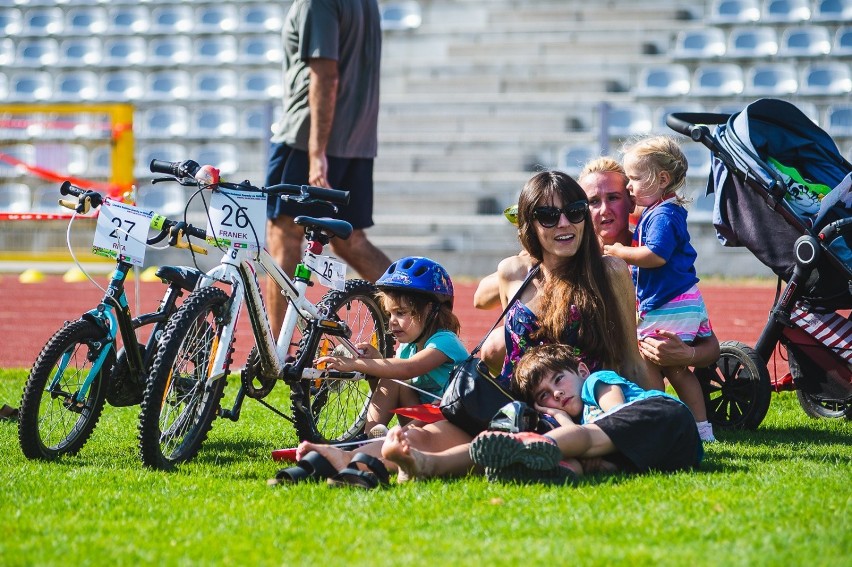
<point x="782" y="190"/>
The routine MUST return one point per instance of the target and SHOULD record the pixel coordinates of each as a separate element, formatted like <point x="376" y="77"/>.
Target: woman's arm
<point x="632" y="365"/>
<point x="666" y="349"/>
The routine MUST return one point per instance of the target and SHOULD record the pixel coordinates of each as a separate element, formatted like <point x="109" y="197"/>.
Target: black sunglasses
<point x="548" y="217"/>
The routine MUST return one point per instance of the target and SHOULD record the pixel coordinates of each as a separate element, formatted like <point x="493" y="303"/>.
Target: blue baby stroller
<point x="783" y="190"/>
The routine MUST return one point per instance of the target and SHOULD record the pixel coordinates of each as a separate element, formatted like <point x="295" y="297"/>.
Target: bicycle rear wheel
<point x="179" y="405"/>
<point x="329" y="411"/>
<point x="53" y="421"/>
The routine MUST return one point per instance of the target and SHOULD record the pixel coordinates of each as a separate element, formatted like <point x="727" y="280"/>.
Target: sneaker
<point x="705" y="431"/>
<point x="497" y="449"/>
<point x="517" y="473"/>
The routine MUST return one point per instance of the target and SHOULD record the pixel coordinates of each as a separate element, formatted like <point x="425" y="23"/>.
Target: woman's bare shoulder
<point x="514" y="267"/>
<point x="616" y="266"/>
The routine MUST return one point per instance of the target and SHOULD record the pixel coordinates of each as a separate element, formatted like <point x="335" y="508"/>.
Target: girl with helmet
<point x="417" y="293"/>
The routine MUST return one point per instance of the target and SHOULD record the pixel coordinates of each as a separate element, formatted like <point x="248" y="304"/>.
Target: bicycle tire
<point x="331" y="411"/>
<point x="48" y="425"/>
<point x="179" y="405"/>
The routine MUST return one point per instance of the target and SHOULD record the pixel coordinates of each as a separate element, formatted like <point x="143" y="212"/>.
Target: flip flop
<point x="376" y="474"/>
<point x="311" y="468"/>
<point x="497" y="450"/>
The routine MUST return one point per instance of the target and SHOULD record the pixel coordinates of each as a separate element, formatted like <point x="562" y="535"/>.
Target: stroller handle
<point x="692" y="124"/>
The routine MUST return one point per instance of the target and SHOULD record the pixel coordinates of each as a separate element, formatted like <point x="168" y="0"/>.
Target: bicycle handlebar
<point x="175" y="230"/>
<point x="186" y="171"/>
<point x="337" y="196"/>
<point x="179" y="169"/>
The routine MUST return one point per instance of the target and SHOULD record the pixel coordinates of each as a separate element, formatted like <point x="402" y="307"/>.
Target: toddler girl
<point x="417" y="293"/>
<point x="663" y="261"/>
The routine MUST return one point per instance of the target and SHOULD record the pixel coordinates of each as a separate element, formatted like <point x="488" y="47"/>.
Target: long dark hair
<point x="581" y="280"/>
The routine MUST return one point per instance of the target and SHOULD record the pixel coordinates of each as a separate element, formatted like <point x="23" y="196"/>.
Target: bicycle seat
<point x="338" y="228"/>
<point x="184" y="276"/>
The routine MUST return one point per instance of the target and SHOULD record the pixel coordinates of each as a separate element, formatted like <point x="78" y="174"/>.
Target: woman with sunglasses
<point x="577" y="297"/>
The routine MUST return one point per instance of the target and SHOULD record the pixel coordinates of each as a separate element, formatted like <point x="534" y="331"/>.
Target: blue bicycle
<point x="80" y="368"/>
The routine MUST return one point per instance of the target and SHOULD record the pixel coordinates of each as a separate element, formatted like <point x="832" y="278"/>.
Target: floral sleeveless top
<point x="521" y="324"/>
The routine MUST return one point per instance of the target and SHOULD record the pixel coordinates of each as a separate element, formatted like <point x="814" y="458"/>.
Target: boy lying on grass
<point x="605" y="423"/>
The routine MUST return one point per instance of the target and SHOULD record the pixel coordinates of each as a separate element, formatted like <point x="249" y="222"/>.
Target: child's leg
<point x="582" y="441"/>
<point x="688" y="389"/>
<point x="654" y="377"/>
<point x="388" y="396"/>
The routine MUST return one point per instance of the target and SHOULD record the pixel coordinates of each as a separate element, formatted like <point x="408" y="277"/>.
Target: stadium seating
<point x="810" y="41"/>
<point x="43" y="21"/>
<point x="401" y="15"/>
<point x="80" y="52"/>
<point x="86" y="20"/>
<point x="168" y="86"/>
<point x="129" y="19"/>
<point x="37" y="52"/>
<point x="124" y="51"/>
<point x="832" y="11"/>
<point x="30" y="86"/>
<point x="776" y="80"/>
<point x="571" y="159"/>
<point x="839" y="120"/>
<point x="752" y="42"/>
<point x="717" y="80"/>
<point x="629" y="120"/>
<point x="826" y="78"/>
<point x="700" y="43"/>
<point x="216" y="18"/>
<point x="663" y="80"/>
<point x="842" y="42"/>
<point x="786" y="11"/>
<point x="76" y="86"/>
<point x="734" y="11"/>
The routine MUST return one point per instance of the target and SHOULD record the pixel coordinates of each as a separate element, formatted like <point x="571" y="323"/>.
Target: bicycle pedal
<point x="71" y="405"/>
<point x="332" y="327"/>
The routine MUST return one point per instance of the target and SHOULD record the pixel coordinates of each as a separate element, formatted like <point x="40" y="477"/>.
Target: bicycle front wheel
<point x="328" y="411"/>
<point x="179" y="404"/>
<point x="55" y="418"/>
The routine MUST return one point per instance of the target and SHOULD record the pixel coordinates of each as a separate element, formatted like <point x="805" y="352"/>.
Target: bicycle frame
<point x="238" y="270"/>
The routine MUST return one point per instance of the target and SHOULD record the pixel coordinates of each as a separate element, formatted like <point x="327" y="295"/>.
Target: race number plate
<point x="237" y="219"/>
<point x="330" y="271"/>
<point x="121" y="232"/>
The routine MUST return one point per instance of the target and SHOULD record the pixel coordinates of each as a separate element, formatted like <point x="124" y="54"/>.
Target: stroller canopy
<point x="780" y="152"/>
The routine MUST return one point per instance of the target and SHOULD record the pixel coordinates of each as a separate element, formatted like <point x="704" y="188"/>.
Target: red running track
<point x="31" y="313"/>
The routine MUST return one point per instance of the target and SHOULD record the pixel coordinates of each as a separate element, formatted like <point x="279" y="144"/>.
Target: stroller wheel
<point x="737" y="389"/>
<point x="814" y="402"/>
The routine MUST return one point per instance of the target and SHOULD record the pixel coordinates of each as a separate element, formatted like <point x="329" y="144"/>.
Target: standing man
<point x="327" y="136"/>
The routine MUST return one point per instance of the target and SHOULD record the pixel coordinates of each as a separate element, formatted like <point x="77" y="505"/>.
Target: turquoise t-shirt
<point x="632" y="392"/>
<point x="436" y="381"/>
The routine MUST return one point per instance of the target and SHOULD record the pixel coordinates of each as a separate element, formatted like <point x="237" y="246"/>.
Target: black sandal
<point x="376" y="474"/>
<point x="312" y="467"/>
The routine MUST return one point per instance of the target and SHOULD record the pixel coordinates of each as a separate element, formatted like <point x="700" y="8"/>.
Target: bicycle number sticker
<point x="237" y="219"/>
<point x="121" y="232"/>
<point x="330" y="271"/>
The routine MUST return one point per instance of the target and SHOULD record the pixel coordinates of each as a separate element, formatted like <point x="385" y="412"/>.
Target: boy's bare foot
<point x="337" y="457"/>
<point x="411" y="462"/>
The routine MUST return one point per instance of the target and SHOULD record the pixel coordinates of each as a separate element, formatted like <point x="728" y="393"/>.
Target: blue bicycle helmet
<point x="418" y="274"/>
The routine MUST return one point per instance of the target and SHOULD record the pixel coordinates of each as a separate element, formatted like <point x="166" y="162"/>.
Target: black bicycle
<point x="80" y="368"/>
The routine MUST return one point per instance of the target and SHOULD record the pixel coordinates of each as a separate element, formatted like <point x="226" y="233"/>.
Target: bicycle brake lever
<point x="180" y="243"/>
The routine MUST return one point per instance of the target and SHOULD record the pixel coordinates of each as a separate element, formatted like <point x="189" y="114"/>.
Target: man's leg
<point x="284" y="242"/>
<point x="361" y="255"/>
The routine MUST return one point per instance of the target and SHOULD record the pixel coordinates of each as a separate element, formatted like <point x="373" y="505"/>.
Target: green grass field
<point x="781" y="495"/>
